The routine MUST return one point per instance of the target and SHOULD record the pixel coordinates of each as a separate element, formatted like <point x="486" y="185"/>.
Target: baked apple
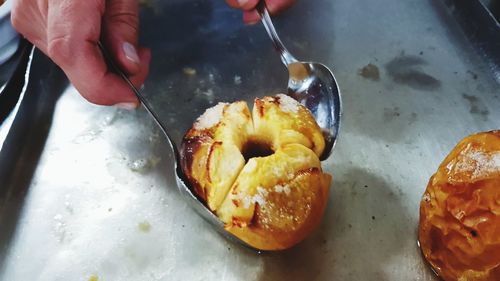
<point x="211" y="150"/>
<point x="459" y="229"/>
<point x="281" y="120"/>
<point x="259" y="174"/>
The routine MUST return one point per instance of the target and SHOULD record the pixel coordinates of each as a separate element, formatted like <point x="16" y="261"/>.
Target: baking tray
<point x="101" y="201"/>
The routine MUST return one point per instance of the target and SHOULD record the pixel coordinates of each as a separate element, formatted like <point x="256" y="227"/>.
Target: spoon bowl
<point x="180" y="179"/>
<point x="312" y="84"/>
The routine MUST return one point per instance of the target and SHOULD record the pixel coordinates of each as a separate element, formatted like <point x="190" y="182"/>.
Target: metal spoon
<point x="192" y="200"/>
<point x="312" y="84"/>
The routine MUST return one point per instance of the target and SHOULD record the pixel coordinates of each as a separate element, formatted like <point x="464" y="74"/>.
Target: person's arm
<point x="68" y="31"/>
<point x="248" y="7"/>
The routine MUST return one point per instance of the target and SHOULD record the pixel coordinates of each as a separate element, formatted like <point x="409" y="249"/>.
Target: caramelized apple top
<point x="460" y="211"/>
<point x="260" y="172"/>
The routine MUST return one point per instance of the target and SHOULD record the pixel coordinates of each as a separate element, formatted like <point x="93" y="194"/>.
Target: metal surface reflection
<point x="81" y="211"/>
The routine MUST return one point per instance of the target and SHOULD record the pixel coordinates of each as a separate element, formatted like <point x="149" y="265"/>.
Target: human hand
<point x="250" y="15"/>
<point x="68" y="31"/>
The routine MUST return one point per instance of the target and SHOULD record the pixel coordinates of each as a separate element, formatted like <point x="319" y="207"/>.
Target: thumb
<point x="121" y="29"/>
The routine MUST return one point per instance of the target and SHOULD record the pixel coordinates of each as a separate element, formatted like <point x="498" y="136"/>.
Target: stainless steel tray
<point x="101" y="199"/>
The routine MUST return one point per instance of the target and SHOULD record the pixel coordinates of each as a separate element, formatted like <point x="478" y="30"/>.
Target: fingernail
<point x="251" y="17"/>
<point x="252" y="22"/>
<point x="131" y="52"/>
<point x="127" y="105"/>
<point x="242" y="2"/>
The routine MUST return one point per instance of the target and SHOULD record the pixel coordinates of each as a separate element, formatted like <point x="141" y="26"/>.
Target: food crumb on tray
<point x="144" y="226"/>
<point x="189" y="71"/>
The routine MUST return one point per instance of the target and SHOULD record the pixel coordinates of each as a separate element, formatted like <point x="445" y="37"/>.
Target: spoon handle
<point x="286" y="57"/>
<point x="111" y="63"/>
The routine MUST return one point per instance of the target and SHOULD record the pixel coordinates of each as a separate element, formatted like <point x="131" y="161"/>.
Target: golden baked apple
<point x="459" y="229"/>
<point x="277" y="200"/>
<point x="210" y="153"/>
<point x="261" y="176"/>
<point x="281" y="120"/>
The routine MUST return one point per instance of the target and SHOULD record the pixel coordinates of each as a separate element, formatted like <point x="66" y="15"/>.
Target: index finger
<point x="74" y="28"/>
